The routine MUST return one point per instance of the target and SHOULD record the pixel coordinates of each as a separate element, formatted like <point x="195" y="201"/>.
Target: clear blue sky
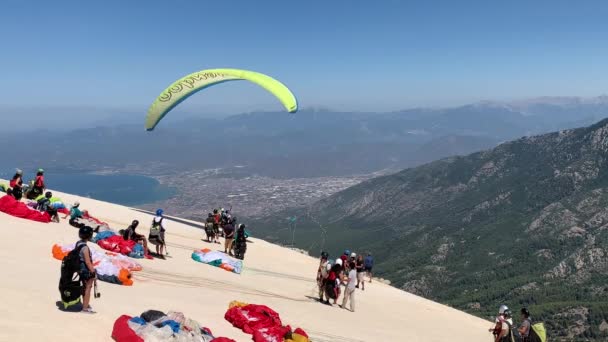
<point x="340" y="54"/>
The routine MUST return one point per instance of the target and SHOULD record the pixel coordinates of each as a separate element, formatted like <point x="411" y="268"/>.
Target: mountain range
<point x="311" y="143"/>
<point x="523" y="224"/>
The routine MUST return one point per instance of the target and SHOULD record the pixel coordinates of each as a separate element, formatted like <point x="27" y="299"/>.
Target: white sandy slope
<point x="274" y="276"/>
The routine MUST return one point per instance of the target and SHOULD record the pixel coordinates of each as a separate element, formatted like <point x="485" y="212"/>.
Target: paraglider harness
<point x="71" y="285"/>
<point x="156" y="235"/>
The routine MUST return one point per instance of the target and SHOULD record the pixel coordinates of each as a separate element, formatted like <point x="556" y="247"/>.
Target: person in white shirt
<point x="351" y="284"/>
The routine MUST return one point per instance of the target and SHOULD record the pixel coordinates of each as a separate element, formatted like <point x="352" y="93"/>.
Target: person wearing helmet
<point x="44" y="205"/>
<point x="87" y="270"/>
<point x="39" y="185"/>
<point x="16" y="184"/>
<point x="157" y="233"/>
<point x="502" y="329"/>
<point x="322" y="273"/>
<point x="524" y="328"/>
<point x="130" y="234"/>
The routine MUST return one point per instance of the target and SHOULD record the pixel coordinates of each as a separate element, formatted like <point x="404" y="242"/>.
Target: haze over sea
<point x="124" y="189"/>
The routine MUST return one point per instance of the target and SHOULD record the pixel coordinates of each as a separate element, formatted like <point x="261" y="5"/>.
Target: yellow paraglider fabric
<point x="188" y="85"/>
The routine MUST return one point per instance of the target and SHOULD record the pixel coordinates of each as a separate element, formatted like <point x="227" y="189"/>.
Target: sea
<point x="123" y="189"/>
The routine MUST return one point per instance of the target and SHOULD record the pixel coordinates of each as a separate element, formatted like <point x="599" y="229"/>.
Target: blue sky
<point x="354" y="55"/>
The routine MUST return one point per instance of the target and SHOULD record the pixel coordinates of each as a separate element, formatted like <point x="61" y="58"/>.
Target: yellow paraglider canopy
<point x="186" y="86"/>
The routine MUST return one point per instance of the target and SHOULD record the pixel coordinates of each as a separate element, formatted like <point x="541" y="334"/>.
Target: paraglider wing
<point x="187" y="86"/>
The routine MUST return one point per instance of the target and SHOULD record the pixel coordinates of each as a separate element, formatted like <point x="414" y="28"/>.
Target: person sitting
<point x="157" y="233"/>
<point x="130" y="234"/>
<point x="240" y="242"/>
<point x="38" y="185"/>
<point x="44" y="204"/>
<point x="16" y="185"/>
<point x="75" y="214"/>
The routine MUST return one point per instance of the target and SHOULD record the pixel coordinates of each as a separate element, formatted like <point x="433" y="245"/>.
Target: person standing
<point x="349" y="292"/>
<point x="359" y="266"/>
<point x="16" y="184"/>
<point x="322" y="274"/>
<point x="209" y="231"/>
<point x="228" y="238"/>
<point x="524" y="328"/>
<point x="87" y="270"/>
<point x="157" y="233"/>
<point x="240" y="242"/>
<point x="369" y="265"/>
<point x="502" y="328"/>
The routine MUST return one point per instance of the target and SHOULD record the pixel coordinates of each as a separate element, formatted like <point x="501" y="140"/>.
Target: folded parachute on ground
<point x="115" y="243"/>
<point x="9" y="205"/>
<point x="110" y="267"/>
<point x="189" y="85"/>
<point x="154" y="325"/>
<point x="263" y="323"/>
<point x="218" y="259"/>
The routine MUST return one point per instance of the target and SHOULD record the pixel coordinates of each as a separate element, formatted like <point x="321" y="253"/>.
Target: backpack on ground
<point x="537" y="333"/>
<point x="70" y="286"/>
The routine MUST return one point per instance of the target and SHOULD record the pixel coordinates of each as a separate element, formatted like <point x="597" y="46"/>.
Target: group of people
<point x="32" y="190"/>
<point x="222" y="223"/>
<point x="87" y="273"/>
<point x="348" y="270"/>
<point x="503" y="329"/>
<point x="155" y="237"/>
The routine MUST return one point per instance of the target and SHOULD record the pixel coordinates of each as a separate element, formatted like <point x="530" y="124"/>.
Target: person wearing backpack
<point x="502" y="330"/>
<point x="87" y="273"/>
<point x="157" y="233"/>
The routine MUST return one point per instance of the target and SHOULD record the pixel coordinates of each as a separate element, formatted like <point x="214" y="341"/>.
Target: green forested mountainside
<point x="525" y="223"/>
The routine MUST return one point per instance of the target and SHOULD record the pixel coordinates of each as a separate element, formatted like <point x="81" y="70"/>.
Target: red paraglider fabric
<point x="260" y="321"/>
<point x="9" y="205"/>
<point x="121" y="331"/>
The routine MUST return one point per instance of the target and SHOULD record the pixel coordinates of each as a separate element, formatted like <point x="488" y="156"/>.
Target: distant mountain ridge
<point x="525" y="223"/>
<point x="310" y="143"/>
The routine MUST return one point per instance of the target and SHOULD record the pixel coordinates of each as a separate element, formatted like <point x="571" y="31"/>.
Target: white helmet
<point x="19" y="172"/>
<point x="353" y="255"/>
<point x="339" y="262"/>
<point x="502" y="309"/>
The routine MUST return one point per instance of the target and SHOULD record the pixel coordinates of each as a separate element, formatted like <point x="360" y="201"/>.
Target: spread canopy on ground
<point x="188" y="85"/>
